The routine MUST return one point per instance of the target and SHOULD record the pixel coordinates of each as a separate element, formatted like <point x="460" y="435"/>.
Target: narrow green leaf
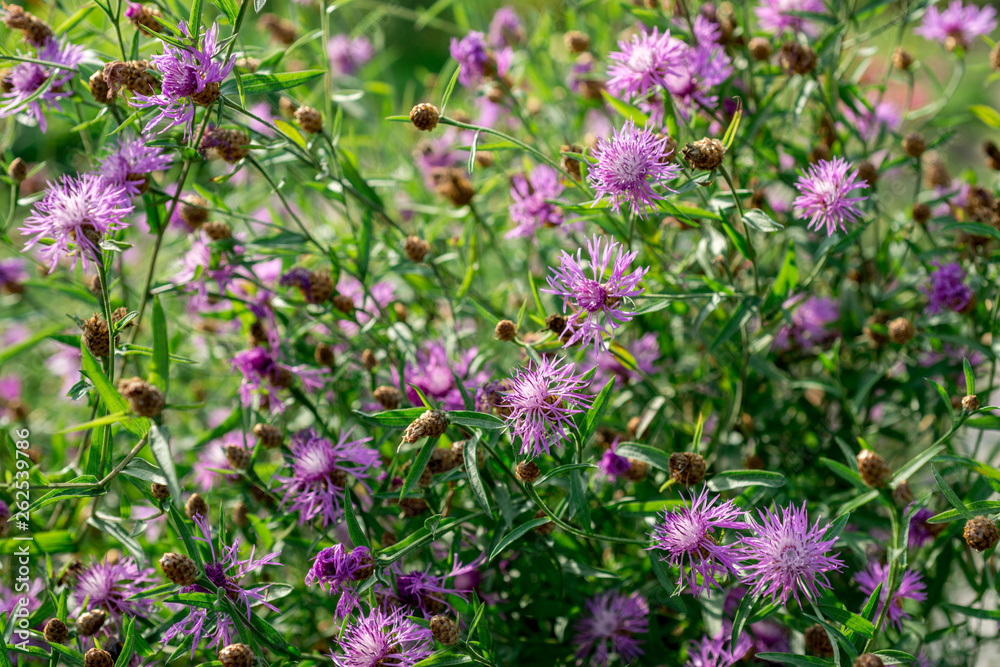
<point x="951" y="495"/>
<point x="159" y="446"/>
<point x="761" y="221"/>
<point x="588" y="422"/>
<point x="469" y="456"/>
<point x="128" y="642"/>
<point x="417" y="468"/>
<point x="159" y="369"/>
<point x="475" y="419"/>
<point x="358" y="536"/>
<point x="734" y="479"/>
<point x="516" y="534"/>
<point x="256" y="83"/>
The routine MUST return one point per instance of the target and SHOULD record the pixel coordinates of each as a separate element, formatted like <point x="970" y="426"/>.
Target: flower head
<point x="383" y="638"/>
<point x="127" y="166"/>
<point x="348" y="54"/>
<point x="334" y="568"/>
<point x="12" y="273"/>
<point x="810" y="322"/>
<point x="911" y="587"/>
<point x="645" y="352"/>
<point x="824" y="195"/>
<point x="957" y="25"/>
<point x="76" y="213"/>
<point x="609" y="623"/>
<point x="629" y="165"/>
<point x="539" y="403"/>
<point x="319" y="471"/>
<point x="612" y="465"/>
<point x="112" y="586"/>
<point x="434" y="373"/>
<point x="263" y="373"/>
<point x="689" y="541"/>
<point x="947" y="289"/>
<point x="784" y="556"/>
<point x="883" y="116"/>
<point x="189" y="77"/>
<point x="596" y="296"/>
<point x="717" y="651"/>
<point x="505" y="28"/>
<point x="475" y="59"/>
<point x="26" y="79"/>
<point x="531" y="210"/>
<point x="212" y="459"/>
<point x="643" y="64"/>
<point x="427" y="592"/>
<point x="777" y="16"/>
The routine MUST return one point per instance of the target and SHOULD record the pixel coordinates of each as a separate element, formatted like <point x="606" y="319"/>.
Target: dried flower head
<point x="981" y="533"/>
<point x="687" y="468"/>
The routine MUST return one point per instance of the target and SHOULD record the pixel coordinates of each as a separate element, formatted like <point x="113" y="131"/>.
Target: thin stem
<point x="746" y="229"/>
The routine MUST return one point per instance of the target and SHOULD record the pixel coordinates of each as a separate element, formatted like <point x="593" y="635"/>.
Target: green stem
<point x="746" y="230"/>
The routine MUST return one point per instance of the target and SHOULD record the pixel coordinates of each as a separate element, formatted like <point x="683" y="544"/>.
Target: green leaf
<point x="587" y="423"/>
<point x="644" y="453"/>
<point x="743" y="614"/>
<point x="392" y="418"/>
<point x="628" y="111"/>
<point x="159" y="369"/>
<point x="113" y="401"/>
<point x="988" y="115"/>
<point x="740" y="317"/>
<point x="987" y="614"/>
<point x="735" y="479"/>
<point x="17" y="348"/>
<point x="230" y="8"/>
<point x="950" y="494"/>
<point x="798" y="660"/>
<point x="444" y="659"/>
<point x="970" y="377"/>
<point x="60" y="494"/>
<point x="194" y="22"/>
<point x="893" y="657"/>
<point x="761" y="221"/>
<point x="128" y="642"/>
<point x="358" y="536"/>
<point x="516" y="534"/>
<point x="159" y="446"/>
<point x="417" y="468"/>
<point x="256" y="83"/>
<point x="469" y="456"/>
<point x="871" y="604"/>
<point x="917" y="462"/>
<point x="977" y="507"/>
<point x="449" y="90"/>
<point x="849" y="620"/>
<point x="475" y="419"/>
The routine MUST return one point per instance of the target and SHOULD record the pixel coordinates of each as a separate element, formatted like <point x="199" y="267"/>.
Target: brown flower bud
<point x="159" y="491"/>
<point x="981" y="533"/>
<point x="637" y="470"/>
<point x="545" y="528"/>
<point x="388" y="397"/>
<point x="921" y="213"/>
<point x="970" y="403"/>
<point x="760" y="48"/>
<point x="902" y="495"/>
<point x="268" y="436"/>
<point x="796" y="58"/>
<point x="196" y="506"/>
<point x="96" y="336"/>
<point x="442" y="460"/>
<point x="248" y="64"/>
<point x="992" y="155"/>
<point x="868" y="660"/>
<point x="413" y="506"/>
<point x="90" y="623"/>
<point x="309" y="120"/>
<point x="96" y="657"/>
<point x="323" y="354"/>
<point x="868" y="173"/>
<point x="144" y="399"/>
<point x="321" y="288"/>
<point x="368" y="360"/>
<point x="193" y="210"/>
<point x="146" y="18"/>
<point x="505" y="330"/>
<point x="17" y="170"/>
<point x="55" y="631"/>
<point x="431" y="424"/>
<point x="705" y="154"/>
<point x="445" y="630"/>
<point x="179" y="569"/>
<point x="453" y="184"/>
<point x="416" y="248"/>
<point x="576" y="41"/>
<point x="425" y="116"/>
<point x="527" y="472"/>
<point x="874" y="470"/>
<point x="236" y="655"/>
<point x="817" y="642"/>
<point x="343" y="303"/>
<point x="914" y="144"/>
<point x="901" y="331"/>
<point x="995" y="56"/>
<point x="556" y="323"/>
<point x="901" y="58"/>
<point x="687" y="468"/>
<point x="282" y="30"/>
<point x="238" y="456"/>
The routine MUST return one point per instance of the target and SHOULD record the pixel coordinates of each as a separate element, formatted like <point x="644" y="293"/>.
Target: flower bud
<point x="90" y="623"/>
<point x="55" y="631"/>
<point x="179" y="569"/>
<point x="431" y="424"/>
<point x="914" y="144"/>
<point x="970" y="403"/>
<point x="981" y="533"/>
<point x="425" y="116"/>
<point x="159" y="491"/>
<point x="901" y="331"/>
<point x="874" y="470"/>
<point x="238" y="456"/>
<point x="309" y="120"/>
<point x="17" y="170"/>
<point x="267" y="435"/>
<point x="705" y="154"/>
<point x="96" y="657"/>
<point x="901" y="58"/>
<point x="817" y="642"/>
<point x="505" y="330"/>
<point x="527" y="472"/>
<point x="576" y="41"/>
<point x="687" y="468"/>
<point x="445" y="630"/>
<point x="868" y="660"/>
<point x="760" y="48"/>
<point x="416" y="248"/>
<point x="236" y="655"/>
<point x="388" y="397"/>
<point x="196" y="506"/>
<point x="144" y="399"/>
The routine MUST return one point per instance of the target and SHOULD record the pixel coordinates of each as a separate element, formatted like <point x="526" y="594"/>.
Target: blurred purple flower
<point x="213" y="458"/>
<point x="26" y="79"/>
<point x="645" y="351"/>
<point x="473" y="57"/>
<point x="612" y="465"/>
<point x="947" y="289"/>
<point x="776" y="16"/>
<point x="911" y="587"/>
<point x="428" y="592"/>
<point x="367" y="305"/>
<point x="505" y="28"/>
<point x="596" y="301"/>
<point x="717" y="652"/>
<point x="810" y="323"/>
<point x="870" y="123"/>
<point x="319" y="474"/>
<point x="957" y="25"/>
<point x="609" y="623"/>
<point x="824" y="195"/>
<point x="130" y="162"/>
<point x="435" y="375"/>
<point x="111" y="586"/>
<point x="530" y="209"/>
<point x="920" y="534"/>
<point x="76" y="213"/>
<point x="642" y="64"/>
<point x="539" y="403"/>
<point x="784" y="556"/>
<point x="702" y="69"/>
<point x="629" y="165"/>
<point x="383" y="638"/>
<point x="263" y="373"/>
<point x="12" y="273"/>
<point x="348" y="54"/>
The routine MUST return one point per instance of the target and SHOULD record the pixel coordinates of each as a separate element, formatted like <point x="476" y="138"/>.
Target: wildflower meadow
<point x="424" y="333"/>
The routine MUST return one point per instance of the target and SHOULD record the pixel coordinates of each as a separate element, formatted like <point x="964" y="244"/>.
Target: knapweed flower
<point x="476" y="60"/>
<point x="263" y="373"/>
<point x="810" y="323"/>
<point x="319" y="472"/>
<point x="434" y="373"/>
<point x="427" y="592"/>
<point x="12" y="274"/>
<point x="957" y="25"/>
<point x="824" y="195"/>
<point x="113" y="587"/>
<point x="334" y="568"/>
<point x="347" y="54"/>
<point x="129" y="164"/>
<point x="642" y="65"/>
<point x="383" y="638"/>
<point x="776" y="16"/>
<point x="505" y="28"/>
<point x="531" y="210"/>
<point x="595" y="290"/>
<point x="610" y="622"/>
<point x="883" y="116"/>
<point x="911" y="587"/>
<point x="784" y="556"/>
<point x="689" y="541"/>
<point x="920" y="531"/>
<point x="208" y="468"/>
<point x="629" y="165"/>
<point x="717" y="651"/>
<point x="539" y="403"/>
<point x="76" y="213"/>
<point x="612" y="465"/>
<point x="26" y="80"/>
<point x="645" y="352"/>
<point x="189" y="77"/>
<point x="368" y="303"/>
<point x="947" y="289"/>
<point x="225" y="569"/>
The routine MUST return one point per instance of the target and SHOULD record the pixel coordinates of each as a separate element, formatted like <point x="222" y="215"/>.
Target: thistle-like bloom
<point x="427" y="592"/>
<point x="434" y="373"/>
<point x="824" y="195"/>
<point x="884" y="116"/>
<point x="12" y="273"/>
<point x="957" y="25"/>
<point x="629" y="165"/>
<point x="263" y="373"/>
<point x="911" y="587"/>
<point x="597" y="296"/>
<point x="810" y="323"/>
<point x="473" y="57"/>
<point x="531" y="210"/>
<point x="717" y="651"/>
<point x="784" y="556"/>
<point x="947" y="289"/>
<point x="319" y="470"/>
<point x="609" y="624"/>
<point x="776" y="16"/>
<point x="643" y="64"/>
<point x="383" y="638"/>
<point x="225" y="569"/>
<point x="347" y="54"/>
<point x="505" y="28"/>
<point x="27" y="79"/>
<point x="111" y="586"/>
<point x="539" y="403"/>
<point x="189" y="77"/>
<point x="335" y="568"/>
<point x="129" y="164"/>
<point x="645" y="351"/>
<point x="212" y="460"/>
<point x="688" y="540"/>
<point x="76" y="213"/>
<point x="612" y="465"/>
<point x="702" y="69"/>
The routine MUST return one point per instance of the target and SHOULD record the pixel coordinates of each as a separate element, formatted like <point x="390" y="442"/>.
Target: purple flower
<point x="689" y="541"/>
<point x="127" y="166"/>
<point x="506" y="28"/>
<point x="367" y="304"/>
<point x="612" y="465"/>
<point x="645" y="352"/>
<point x="213" y="458"/>
<point x="435" y="375"/>
<point x="111" y="585"/>
<point x="12" y="273"/>
<point x="428" y="592"/>
<point x="628" y="165"/>
<point x="225" y="569"/>
<point x="784" y="556"/>
<point x="703" y="68"/>
<point x="189" y="78"/>
<point x="920" y="534"/>
<point x="531" y="210"/>
<point x="263" y="373"/>
<point x="473" y="57"/>
<point x="383" y="638"/>
<point x="947" y="289"/>
<point x="320" y="469"/>
<point x="643" y="64"/>
<point x="539" y="403"/>
<point x="776" y="16"/>
<point x="347" y="55"/>
<point x="334" y="568"/>
<point x="824" y="195"/>
<point x="810" y="323"/>
<point x="596" y="299"/>
<point x="717" y="652"/>
<point x="76" y="213"/>
<point x="609" y="624"/>
<point x="958" y="25"/>
<point x="911" y="587"/>
<point x="870" y="123"/>
<point x="27" y="79"/>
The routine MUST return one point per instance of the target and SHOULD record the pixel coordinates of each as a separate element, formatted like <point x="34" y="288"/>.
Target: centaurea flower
<point x="810" y="322"/>
<point x="911" y="587"/>
<point x="645" y="352"/>
<point x="718" y="651"/>
<point x="435" y="374"/>
<point x="629" y="165"/>
<point x="611" y="464"/>
<point x="264" y="373"/>
<point x="947" y="289"/>
<point x="421" y="590"/>
<point x="112" y="587"/>
<point x="642" y="64"/>
<point x="334" y="568"/>
<point x="505" y="28"/>
<point x="27" y="78"/>
<point x="129" y="164"/>
<point x="957" y="25"/>
<point x="777" y="16"/>
<point x="383" y="638"/>
<point x="12" y="274"/>
<point x="347" y="54"/>
<point x="531" y="210"/>
<point x="610" y="623"/>
<point x="824" y="195"/>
